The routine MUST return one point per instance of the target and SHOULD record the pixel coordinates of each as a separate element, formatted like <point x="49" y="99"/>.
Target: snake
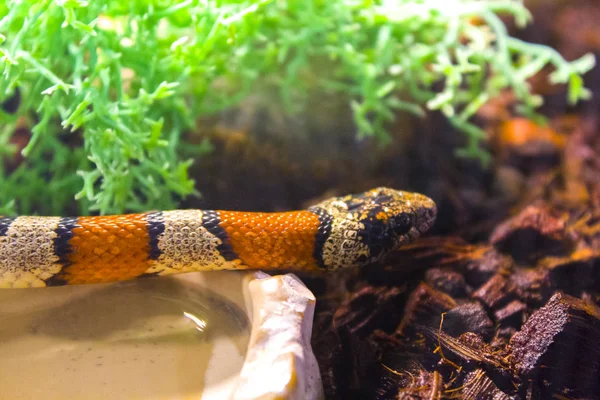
<point x="340" y="232"/>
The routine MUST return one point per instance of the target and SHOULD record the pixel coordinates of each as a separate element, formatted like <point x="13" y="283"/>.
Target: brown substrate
<point x="502" y="300"/>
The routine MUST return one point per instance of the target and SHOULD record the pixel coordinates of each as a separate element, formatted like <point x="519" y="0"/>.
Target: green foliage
<point x="109" y="86"/>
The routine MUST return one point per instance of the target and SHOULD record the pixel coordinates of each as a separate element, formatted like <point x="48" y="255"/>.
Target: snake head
<point x="361" y="229"/>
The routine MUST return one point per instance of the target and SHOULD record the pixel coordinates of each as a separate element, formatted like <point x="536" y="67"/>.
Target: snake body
<point x="341" y="232"/>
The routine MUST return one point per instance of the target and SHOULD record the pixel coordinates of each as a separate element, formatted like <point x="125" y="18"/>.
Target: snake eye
<point x="401" y="224"/>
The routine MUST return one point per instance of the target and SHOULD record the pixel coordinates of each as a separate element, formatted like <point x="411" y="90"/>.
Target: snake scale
<point x="341" y="232"/>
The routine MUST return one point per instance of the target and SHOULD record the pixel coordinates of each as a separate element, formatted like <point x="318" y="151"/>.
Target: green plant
<point x="109" y="87"/>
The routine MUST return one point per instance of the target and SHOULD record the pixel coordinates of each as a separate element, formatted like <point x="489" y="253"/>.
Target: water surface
<point x="158" y="338"/>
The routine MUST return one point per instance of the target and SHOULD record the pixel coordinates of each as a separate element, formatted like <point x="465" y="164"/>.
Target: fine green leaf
<point x="110" y="88"/>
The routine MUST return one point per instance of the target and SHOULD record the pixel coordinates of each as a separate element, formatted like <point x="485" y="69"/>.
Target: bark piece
<point x="447" y="280"/>
<point x="575" y="273"/>
<point x="403" y="376"/>
<point x="371" y="308"/>
<point x="495" y="292"/>
<point x="424" y="307"/>
<point x="557" y="352"/>
<point x="477" y="385"/>
<point x="480" y="270"/>
<point x="531" y="285"/>
<point x="533" y="232"/>
<point x="468" y="317"/>
<point x="345" y="361"/>
<point x="511" y="315"/>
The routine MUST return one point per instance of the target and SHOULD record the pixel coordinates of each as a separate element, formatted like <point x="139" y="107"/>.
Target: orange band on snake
<point x="341" y="232"/>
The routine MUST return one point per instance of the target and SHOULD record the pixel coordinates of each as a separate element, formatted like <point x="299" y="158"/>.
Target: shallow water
<point x="158" y="338"/>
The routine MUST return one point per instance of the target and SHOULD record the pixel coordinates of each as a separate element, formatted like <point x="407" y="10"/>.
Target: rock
<point x="279" y="362"/>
